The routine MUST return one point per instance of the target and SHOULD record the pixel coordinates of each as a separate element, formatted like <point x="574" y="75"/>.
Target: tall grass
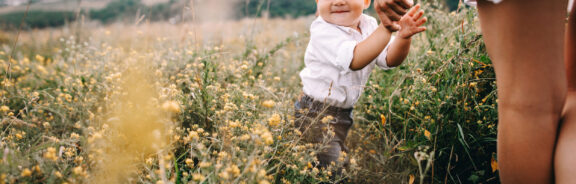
<point x="180" y="109"/>
<point x="440" y="106"/>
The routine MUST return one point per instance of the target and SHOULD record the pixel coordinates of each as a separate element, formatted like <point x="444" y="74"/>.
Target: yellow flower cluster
<point x="269" y="104"/>
<point x="171" y="106"/>
<point x="275" y="120"/>
<point x="264" y="135"/>
<point x="50" y="154"/>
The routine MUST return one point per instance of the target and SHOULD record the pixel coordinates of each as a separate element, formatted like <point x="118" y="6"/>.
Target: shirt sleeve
<point x="330" y="44"/>
<point x="381" y="60"/>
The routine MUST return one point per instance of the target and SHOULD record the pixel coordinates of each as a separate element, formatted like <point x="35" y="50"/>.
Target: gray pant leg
<point x="314" y="131"/>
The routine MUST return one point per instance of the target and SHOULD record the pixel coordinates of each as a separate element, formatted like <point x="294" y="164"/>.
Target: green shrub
<point x="36" y="19"/>
<point x="292" y="8"/>
<point x="117" y="10"/>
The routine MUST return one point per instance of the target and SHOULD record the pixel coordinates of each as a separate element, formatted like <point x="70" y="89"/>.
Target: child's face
<point x="342" y="12"/>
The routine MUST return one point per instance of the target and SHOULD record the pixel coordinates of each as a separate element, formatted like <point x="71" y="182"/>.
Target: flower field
<point x="214" y="103"/>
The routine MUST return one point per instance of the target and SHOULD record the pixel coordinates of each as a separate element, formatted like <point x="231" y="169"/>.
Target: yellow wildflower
<point x="327" y="119"/>
<point x="171" y="106"/>
<point x="19" y="136"/>
<point x="41" y="69"/>
<point x="267" y="137"/>
<point x="244" y="137"/>
<point x="204" y="164"/>
<point x="58" y="174"/>
<point x="74" y="136"/>
<point x="50" y="154"/>
<point x="224" y="175"/>
<point x="274" y="120"/>
<point x="4" y="108"/>
<point x="37" y="169"/>
<point x="26" y="172"/>
<point x="78" y="170"/>
<point x="269" y="103"/>
<point x="40" y="58"/>
<point x="494" y="164"/>
<point x="233" y="170"/>
<point x="197" y="177"/>
<point x="427" y="134"/>
<point x="189" y="162"/>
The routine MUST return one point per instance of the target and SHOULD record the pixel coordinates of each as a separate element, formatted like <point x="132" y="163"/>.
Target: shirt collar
<point x="349" y="30"/>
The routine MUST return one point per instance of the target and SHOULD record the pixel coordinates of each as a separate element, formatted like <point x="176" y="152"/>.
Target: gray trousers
<point x="309" y="115"/>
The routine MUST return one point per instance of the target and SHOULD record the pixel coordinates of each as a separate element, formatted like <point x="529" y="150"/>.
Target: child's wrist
<point x="405" y="37"/>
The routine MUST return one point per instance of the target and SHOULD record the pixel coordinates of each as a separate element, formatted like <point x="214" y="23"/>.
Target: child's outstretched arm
<point x="410" y="24"/>
<point x="370" y="48"/>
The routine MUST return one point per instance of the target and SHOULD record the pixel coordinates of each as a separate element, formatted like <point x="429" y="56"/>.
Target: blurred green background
<point x="54" y="13"/>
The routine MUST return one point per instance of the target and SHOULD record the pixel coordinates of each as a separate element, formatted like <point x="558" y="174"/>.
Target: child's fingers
<point x="421" y="21"/>
<point x="413" y="10"/>
<point x="418" y="15"/>
<point x="420" y="29"/>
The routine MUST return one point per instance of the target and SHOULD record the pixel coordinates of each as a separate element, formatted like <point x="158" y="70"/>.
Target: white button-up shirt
<point x="327" y="76"/>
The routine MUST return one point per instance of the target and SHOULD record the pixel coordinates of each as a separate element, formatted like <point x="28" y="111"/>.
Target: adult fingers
<point x="406" y="4"/>
<point x="389" y="8"/>
<point x="392" y="27"/>
<point x="399" y="10"/>
<point x="387" y="23"/>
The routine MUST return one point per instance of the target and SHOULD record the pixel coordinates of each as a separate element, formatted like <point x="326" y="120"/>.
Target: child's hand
<point x="410" y="24"/>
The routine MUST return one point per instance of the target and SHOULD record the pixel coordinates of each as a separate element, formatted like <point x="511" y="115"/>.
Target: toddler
<point x="344" y="47"/>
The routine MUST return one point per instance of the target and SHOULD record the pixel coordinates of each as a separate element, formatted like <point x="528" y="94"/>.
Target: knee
<point x="530" y="108"/>
<point x="532" y="100"/>
<point x="547" y="111"/>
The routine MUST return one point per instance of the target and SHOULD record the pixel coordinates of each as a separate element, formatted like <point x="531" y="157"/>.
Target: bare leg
<point x="525" y="39"/>
<point x="571" y="49"/>
<point x="565" y="162"/>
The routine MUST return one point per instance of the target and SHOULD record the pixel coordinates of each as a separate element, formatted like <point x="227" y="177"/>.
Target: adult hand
<point x="390" y="12"/>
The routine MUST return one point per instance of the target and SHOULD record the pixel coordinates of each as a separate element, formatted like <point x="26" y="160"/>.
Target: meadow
<point x="154" y="102"/>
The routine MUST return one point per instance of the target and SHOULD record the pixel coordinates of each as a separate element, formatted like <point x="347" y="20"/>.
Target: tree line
<point x="127" y="9"/>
